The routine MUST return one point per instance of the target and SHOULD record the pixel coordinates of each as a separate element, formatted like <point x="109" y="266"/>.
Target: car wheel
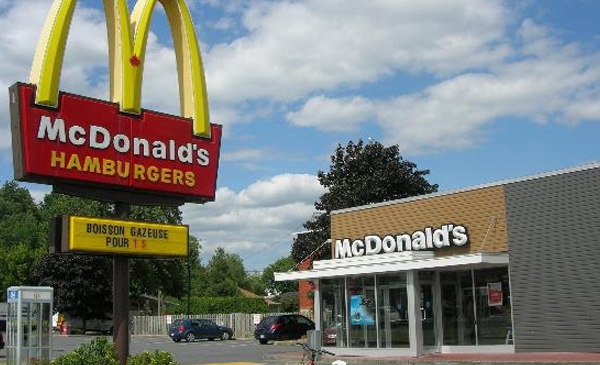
<point x="225" y="336"/>
<point x="263" y="342"/>
<point x="190" y="337"/>
<point x="176" y="339"/>
<point x="211" y="338"/>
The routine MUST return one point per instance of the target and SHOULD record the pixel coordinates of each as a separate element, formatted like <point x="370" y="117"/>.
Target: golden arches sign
<point x="127" y="37"/>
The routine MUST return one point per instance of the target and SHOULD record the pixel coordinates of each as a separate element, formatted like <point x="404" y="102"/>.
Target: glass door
<point x="393" y="319"/>
<point x="427" y="315"/>
<point x="361" y="312"/>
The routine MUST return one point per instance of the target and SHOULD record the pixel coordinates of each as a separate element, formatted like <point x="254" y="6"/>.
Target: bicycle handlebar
<point x="318" y="351"/>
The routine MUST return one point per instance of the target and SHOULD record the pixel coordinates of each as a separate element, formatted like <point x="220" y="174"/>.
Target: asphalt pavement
<point x="249" y="352"/>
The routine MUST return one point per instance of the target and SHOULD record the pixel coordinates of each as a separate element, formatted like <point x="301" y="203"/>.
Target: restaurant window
<point x="362" y="311"/>
<point x="333" y="317"/>
<point x="476" y="307"/>
<point x="493" y="307"/>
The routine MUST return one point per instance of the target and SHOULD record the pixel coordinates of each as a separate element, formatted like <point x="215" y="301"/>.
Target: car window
<point x="205" y="323"/>
<point x="195" y="323"/>
<point x="303" y="320"/>
<point x="177" y="322"/>
<point x="269" y="320"/>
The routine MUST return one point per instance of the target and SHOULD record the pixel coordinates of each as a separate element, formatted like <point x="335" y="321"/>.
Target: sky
<point x="473" y="91"/>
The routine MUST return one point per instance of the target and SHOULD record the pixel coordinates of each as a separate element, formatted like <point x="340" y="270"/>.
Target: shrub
<point x="100" y="351"/>
<point x="156" y="358"/>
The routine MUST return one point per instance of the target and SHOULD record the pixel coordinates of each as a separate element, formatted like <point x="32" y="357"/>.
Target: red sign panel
<point x="90" y="142"/>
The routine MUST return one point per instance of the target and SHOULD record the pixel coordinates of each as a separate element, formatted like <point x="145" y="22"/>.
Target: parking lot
<point x="198" y="352"/>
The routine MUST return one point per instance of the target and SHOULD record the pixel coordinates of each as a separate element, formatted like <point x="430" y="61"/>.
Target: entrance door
<point x="393" y="316"/>
<point x="427" y="315"/>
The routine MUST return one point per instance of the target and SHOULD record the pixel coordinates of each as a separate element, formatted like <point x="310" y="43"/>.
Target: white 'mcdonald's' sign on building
<point x="422" y="240"/>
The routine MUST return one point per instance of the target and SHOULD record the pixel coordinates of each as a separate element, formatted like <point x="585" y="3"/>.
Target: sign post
<point x="121" y="296"/>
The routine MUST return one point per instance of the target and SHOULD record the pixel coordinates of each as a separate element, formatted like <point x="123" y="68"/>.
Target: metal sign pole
<point x="121" y="296"/>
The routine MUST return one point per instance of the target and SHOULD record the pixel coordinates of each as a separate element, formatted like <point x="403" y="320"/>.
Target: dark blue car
<point x="192" y="329"/>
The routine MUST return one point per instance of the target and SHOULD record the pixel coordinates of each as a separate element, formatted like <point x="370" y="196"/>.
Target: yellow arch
<point x="127" y="38"/>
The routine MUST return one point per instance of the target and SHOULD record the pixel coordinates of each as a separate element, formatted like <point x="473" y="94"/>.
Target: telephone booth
<point x="28" y="324"/>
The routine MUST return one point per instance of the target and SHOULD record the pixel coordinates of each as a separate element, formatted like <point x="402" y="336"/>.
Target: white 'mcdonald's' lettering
<point x="100" y="138"/>
<point x="427" y="239"/>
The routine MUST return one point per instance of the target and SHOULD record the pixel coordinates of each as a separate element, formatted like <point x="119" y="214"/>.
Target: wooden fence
<point x="241" y="323"/>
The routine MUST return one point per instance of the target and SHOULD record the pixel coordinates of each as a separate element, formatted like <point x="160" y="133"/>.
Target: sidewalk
<point x="452" y="359"/>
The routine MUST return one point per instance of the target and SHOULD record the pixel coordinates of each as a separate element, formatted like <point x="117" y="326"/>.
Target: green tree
<point x="224" y="274"/>
<point x="22" y="239"/>
<point x="279" y="287"/>
<point x="359" y="174"/>
<point x="148" y="276"/>
<point x="82" y="284"/>
<point x="16" y="263"/>
<point x="289" y="302"/>
<point x="19" y="217"/>
<point x="255" y="284"/>
<point x="197" y="273"/>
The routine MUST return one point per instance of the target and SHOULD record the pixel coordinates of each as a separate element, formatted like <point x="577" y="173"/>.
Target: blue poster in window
<point x="361" y="313"/>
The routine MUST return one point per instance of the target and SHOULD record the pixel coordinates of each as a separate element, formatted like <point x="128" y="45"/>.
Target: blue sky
<point x="474" y="91"/>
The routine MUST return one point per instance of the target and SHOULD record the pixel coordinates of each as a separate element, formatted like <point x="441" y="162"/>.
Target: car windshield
<point x="269" y="321"/>
<point x="177" y="323"/>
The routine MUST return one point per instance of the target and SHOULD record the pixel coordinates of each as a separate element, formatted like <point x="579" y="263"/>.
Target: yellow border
<point x="127" y="38"/>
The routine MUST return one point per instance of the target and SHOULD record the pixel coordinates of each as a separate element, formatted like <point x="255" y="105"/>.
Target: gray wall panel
<point x="554" y="246"/>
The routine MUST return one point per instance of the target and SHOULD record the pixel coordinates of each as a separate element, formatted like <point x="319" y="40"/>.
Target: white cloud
<point x="248" y="154"/>
<point x="257" y="222"/>
<point x="295" y="48"/>
<point x="552" y="82"/>
<point x="548" y="82"/>
<point x="327" y="114"/>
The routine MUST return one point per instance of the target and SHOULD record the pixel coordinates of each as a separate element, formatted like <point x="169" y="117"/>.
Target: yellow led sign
<point x="122" y="237"/>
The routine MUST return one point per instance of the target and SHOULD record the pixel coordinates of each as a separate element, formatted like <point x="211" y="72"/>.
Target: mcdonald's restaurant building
<point x="512" y="266"/>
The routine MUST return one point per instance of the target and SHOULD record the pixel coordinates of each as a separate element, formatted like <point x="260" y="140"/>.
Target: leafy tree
<point x="254" y="284"/>
<point x="359" y="174"/>
<point x="16" y="263"/>
<point x="148" y="275"/>
<point x="279" y="287"/>
<point x="198" y="283"/>
<point x="82" y="284"/>
<point x="289" y="302"/>
<point x="156" y="214"/>
<point x="21" y="237"/>
<point x="19" y="217"/>
<point x="224" y="274"/>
